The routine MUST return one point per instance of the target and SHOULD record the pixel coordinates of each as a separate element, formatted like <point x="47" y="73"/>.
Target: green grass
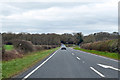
<point x="0" y="70"/>
<point x="8" y="47"/>
<point x="106" y="54"/>
<point x="16" y="66"/>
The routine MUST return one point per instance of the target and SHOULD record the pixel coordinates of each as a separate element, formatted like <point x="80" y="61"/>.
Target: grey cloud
<point x="87" y="23"/>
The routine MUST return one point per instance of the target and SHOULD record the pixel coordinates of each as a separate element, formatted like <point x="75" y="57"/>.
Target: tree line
<point x="101" y="36"/>
<point x="57" y="39"/>
<point x="44" y="39"/>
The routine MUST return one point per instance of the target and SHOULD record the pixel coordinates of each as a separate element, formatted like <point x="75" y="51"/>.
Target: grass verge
<point x="16" y="66"/>
<point x="0" y="70"/>
<point x="8" y="47"/>
<point x="106" y="54"/>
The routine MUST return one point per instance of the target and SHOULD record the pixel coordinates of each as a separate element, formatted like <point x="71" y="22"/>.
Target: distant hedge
<point x="108" y="45"/>
<point x="42" y="47"/>
<point x="27" y="46"/>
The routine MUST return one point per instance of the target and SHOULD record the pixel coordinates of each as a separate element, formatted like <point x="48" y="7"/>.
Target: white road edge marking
<point x="106" y="66"/>
<point x="99" y="56"/>
<point x="97" y="72"/>
<point x="73" y="54"/>
<point x="38" y="66"/>
<point x="78" y="58"/>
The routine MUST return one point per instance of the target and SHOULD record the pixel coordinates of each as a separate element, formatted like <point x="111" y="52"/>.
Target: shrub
<point x="119" y="44"/>
<point x="42" y="47"/>
<point x="54" y="46"/>
<point x="9" y="55"/>
<point x="38" y="47"/>
<point x="113" y="46"/>
<point x="108" y="45"/>
<point x="3" y="50"/>
<point x="24" y="46"/>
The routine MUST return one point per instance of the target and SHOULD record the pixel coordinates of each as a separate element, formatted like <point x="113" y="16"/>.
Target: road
<point x="72" y="63"/>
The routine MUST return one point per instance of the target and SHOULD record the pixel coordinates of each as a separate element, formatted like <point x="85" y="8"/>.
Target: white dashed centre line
<point x="83" y="61"/>
<point x="73" y="54"/>
<point x="78" y="58"/>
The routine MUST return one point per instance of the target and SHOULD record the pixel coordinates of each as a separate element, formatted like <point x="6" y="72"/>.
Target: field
<point x="15" y="66"/>
<point x="8" y="47"/>
<point x="106" y="54"/>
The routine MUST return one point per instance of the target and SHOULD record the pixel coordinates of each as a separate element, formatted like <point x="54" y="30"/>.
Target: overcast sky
<point x="86" y="16"/>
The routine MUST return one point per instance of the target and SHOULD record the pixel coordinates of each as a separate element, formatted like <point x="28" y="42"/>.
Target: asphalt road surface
<point x="72" y="63"/>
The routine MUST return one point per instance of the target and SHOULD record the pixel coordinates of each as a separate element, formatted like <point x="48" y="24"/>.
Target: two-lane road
<point x="72" y="63"/>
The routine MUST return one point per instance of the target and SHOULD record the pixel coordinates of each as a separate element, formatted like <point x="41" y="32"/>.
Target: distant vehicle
<point x="63" y="48"/>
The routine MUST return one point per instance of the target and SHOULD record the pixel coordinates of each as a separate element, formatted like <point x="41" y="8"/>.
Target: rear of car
<point x="63" y="48"/>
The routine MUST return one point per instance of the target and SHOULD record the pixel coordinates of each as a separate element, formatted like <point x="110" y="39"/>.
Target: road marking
<point x="83" y="61"/>
<point x="38" y="66"/>
<point x="99" y="56"/>
<point x="73" y="54"/>
<point x="106" y="66"/>
<point x="97" y="72"/>
<point x="78" y="58"/>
